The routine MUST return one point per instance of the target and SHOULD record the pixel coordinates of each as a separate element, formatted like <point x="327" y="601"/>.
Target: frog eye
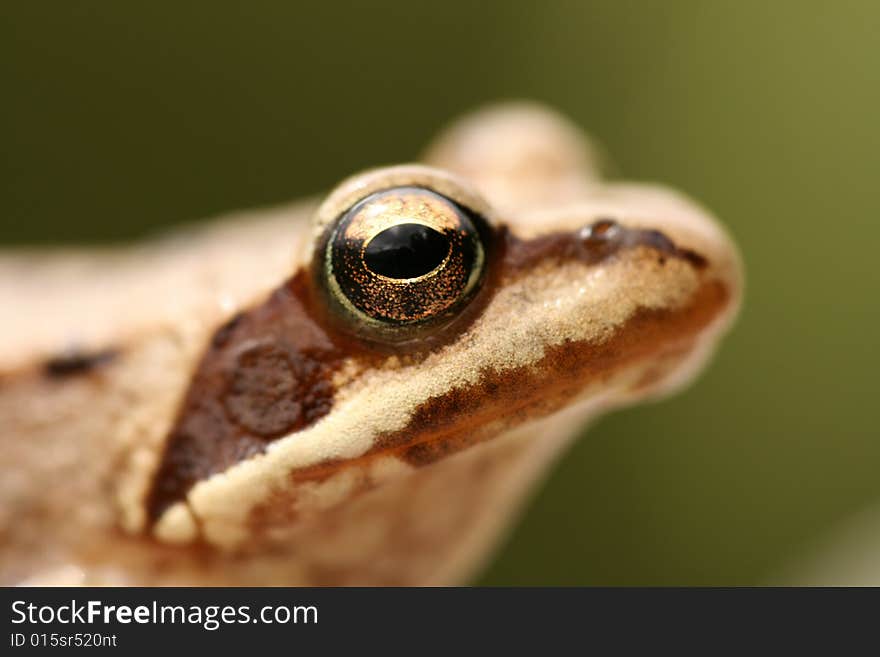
<point x="402" y="260"/>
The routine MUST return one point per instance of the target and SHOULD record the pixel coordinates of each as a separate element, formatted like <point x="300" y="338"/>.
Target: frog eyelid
<point x="358" y="187"/>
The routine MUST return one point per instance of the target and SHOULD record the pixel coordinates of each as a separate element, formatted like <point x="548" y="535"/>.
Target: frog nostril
<point x="601" y="230"/>
<point x="601" y="236"/>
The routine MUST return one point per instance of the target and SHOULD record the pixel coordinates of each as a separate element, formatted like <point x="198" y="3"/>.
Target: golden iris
<point x="402" y="257"/>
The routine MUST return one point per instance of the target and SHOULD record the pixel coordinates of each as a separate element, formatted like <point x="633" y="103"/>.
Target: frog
<point x="360" y="389"/>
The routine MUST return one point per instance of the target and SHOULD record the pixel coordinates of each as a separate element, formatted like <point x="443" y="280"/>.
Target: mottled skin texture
<point x="424" y="455"/>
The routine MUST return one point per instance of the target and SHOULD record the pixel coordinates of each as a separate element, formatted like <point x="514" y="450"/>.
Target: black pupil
<point x="406" y="251"/>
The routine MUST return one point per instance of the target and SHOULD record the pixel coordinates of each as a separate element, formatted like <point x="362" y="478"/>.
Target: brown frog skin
<point x="241" y="404"/>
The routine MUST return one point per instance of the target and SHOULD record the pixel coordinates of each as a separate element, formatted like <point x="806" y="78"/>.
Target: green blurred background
<point x="122" y="118"/>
